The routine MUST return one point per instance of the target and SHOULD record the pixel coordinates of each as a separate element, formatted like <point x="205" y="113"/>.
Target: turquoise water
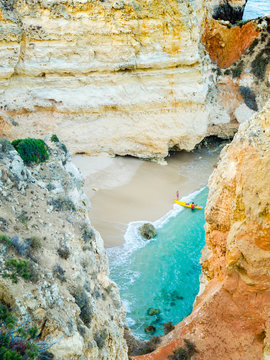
<point x="256" y="8"/>
<point x="162" y="273"/>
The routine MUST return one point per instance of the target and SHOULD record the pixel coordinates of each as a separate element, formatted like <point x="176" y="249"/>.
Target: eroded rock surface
<point x="240" y="79"/>
<point x="121" y="77"/>
<point x="230" y="319"/>
<point x="44" y="211"/>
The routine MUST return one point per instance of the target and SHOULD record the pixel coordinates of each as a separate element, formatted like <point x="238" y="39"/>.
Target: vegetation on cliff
<point x="19" y="341"/>
<point x="31" y="150"/>
<point x="54" y="267"/>
<point x="185" y="352"/>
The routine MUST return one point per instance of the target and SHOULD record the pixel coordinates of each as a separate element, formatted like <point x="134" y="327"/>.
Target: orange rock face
<point x="225" y="45"/>
<point x="230" y="319"/>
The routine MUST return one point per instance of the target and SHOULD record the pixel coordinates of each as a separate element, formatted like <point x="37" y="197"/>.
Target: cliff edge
<point x="230" y="319"/>
<point x="65" y="290"/>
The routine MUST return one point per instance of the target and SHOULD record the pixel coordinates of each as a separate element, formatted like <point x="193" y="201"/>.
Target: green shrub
<point x="17" y="269"/>
<point x="31" y="150"/>
<point x="18" y="342"/>
<point x="6" y="317"/>
<point x="64" y="148"/>
<point x="54" y="138"/>
<point x="23" y="218"/>
<point x="5" y="240"/>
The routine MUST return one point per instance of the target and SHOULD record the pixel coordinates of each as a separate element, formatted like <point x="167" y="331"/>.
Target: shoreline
<point x="132" y="238"/>
<point x="130" y="189"/>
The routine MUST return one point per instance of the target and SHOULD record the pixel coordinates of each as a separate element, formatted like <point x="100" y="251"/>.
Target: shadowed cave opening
<point x="228" y="12"/>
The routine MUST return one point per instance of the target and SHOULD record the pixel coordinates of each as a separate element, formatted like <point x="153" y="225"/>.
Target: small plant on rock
<point x="23" y="218"/>
<point x="17" y="268"/>
<point x="5" y="240"/>
<point x="151" y="344"/>
<point x="34" y="242"/>
<point x="63" y="251"/>
<point x="63" y="204"/>
<point x="88" y="234"/>
<point x="54" y="138"/>
<point x="148" y="346"/>
<point x="59" y="272"/>
<point x="5" y="146"/>
<point x="185" y="352"/>
<point x="82" y="300"/>
<point x="31" y="150"/>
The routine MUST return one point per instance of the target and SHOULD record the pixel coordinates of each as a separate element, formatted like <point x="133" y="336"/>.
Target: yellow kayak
<point x="187" y="204"/>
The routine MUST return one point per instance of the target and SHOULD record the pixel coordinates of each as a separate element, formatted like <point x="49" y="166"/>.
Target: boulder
<point x="148" y="231"/>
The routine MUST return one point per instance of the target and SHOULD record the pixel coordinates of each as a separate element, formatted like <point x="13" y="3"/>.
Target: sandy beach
<point x="125" y="189"/>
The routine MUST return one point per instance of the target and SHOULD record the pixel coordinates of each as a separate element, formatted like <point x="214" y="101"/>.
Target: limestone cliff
<point x="44" y="213"/>
<point x="240" y="78"/>
<point x="230" y="319"/>
<point x="120" y="76"/>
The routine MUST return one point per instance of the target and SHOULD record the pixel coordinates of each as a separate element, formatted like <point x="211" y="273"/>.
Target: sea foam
<point x="132" y="238"/>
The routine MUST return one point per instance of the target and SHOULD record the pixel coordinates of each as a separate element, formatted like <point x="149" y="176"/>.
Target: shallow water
<point x="256" y="8"/>
<point x="162" y="273"/>
<point x="130" y="189"/>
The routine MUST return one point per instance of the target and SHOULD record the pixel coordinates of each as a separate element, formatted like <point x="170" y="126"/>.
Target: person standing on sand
<point x="177" y="195"/>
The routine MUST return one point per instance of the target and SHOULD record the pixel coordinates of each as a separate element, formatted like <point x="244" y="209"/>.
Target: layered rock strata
<point x="44" y="213"/>
<point x="230" y="319"/>
<point x="121" y="77"/>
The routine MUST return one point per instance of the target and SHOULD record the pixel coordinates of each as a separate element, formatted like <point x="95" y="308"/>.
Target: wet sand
<point x="128" y="189"/>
